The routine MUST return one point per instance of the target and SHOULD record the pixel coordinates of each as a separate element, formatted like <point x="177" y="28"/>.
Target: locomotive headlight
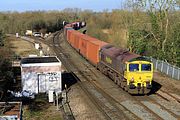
<point x="147" y="80"/>
<point x="132" y="79"/>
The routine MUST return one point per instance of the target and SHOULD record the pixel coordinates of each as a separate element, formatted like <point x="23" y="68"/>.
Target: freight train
<point x="130" y="71"/>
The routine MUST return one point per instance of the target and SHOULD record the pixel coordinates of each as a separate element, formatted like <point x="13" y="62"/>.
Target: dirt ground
<point x="167" y="83"/>
<point x="82" y="106"/>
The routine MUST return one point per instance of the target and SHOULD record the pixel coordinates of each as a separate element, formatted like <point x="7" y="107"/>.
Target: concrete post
<point x="156" y="64"/>
<point x="178" y="73"/>
<point x="167" y="72"/>
<point x="173" y="72"/>
<point x="162" y="64"/>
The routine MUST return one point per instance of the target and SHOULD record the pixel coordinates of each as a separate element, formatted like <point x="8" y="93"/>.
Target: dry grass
<point x="40" y="109"/>
<point x="106" y="31"/>
<point x="21" y="47"/>
<point x="119" y="37"/>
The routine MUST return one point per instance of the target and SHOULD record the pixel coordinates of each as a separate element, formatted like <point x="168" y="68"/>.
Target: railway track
<point x="102" y="102"/>
<point x="111" y="105"/>
<point x="168" y="96"/>
<point x="159" y="107"/>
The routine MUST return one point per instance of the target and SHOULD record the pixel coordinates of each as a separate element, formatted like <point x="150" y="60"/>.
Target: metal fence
<point x="165" y="67"/>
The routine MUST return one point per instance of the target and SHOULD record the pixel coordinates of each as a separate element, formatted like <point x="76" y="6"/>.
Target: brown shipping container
<point x="88" y="46"/>
<point x="93" y="50"/>
<point x="77" y="43"/>
<point x="71" y="40"/>
<point x="69" y="32"/>
<point x="83" y="44"/>
<point x="67" y="35"/>
<point x="75" y="39"/>
<point x="71" y="37"/>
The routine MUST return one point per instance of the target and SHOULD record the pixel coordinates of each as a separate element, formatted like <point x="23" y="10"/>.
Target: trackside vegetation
<point x="146" y="27"/>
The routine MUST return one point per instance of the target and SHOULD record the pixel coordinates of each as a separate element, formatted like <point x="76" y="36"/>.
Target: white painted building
<point x="41" y="74"/>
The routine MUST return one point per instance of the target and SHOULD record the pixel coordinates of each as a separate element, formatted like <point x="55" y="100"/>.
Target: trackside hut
<point x="41" y="74"/>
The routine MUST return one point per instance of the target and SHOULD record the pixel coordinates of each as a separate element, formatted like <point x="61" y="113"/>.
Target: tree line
<point x="43" y="21"/>
<point x="146" y="27"/>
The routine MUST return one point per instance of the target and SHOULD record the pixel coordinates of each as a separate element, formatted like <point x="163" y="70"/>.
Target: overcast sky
<point x="29" y="5"/>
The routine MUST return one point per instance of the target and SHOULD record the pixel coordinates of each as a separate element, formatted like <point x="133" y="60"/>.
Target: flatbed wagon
<point x="10" y="110"/>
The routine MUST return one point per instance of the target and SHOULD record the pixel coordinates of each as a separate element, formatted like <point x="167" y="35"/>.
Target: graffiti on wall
<point x="53" y="76"/>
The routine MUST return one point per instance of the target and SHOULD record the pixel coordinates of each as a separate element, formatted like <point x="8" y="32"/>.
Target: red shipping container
<point x="83" y="41"/>
<point x="93" y="50"/>
<point x="88" y="46"/>
<point x="69" y="32"/>
<point x="78" y="36"/>
<point x="71" y="38"/>
<point x="75" y="39"/>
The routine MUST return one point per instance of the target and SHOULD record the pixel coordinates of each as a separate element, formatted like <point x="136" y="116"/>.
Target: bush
<point x="2" y="36"/>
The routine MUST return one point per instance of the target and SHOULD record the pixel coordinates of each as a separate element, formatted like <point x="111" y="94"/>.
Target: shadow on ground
<point x="155" y="87"/>
<point x="68" y="79"/>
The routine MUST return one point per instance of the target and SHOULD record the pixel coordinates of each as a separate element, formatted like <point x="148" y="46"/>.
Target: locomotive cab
<point x="139" y="74"/>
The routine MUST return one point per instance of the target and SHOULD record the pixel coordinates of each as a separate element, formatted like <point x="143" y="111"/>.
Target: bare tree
<point x="160" y="9"/>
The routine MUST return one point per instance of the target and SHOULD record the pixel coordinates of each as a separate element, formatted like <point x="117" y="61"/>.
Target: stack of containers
<point x="87" y="46"/>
